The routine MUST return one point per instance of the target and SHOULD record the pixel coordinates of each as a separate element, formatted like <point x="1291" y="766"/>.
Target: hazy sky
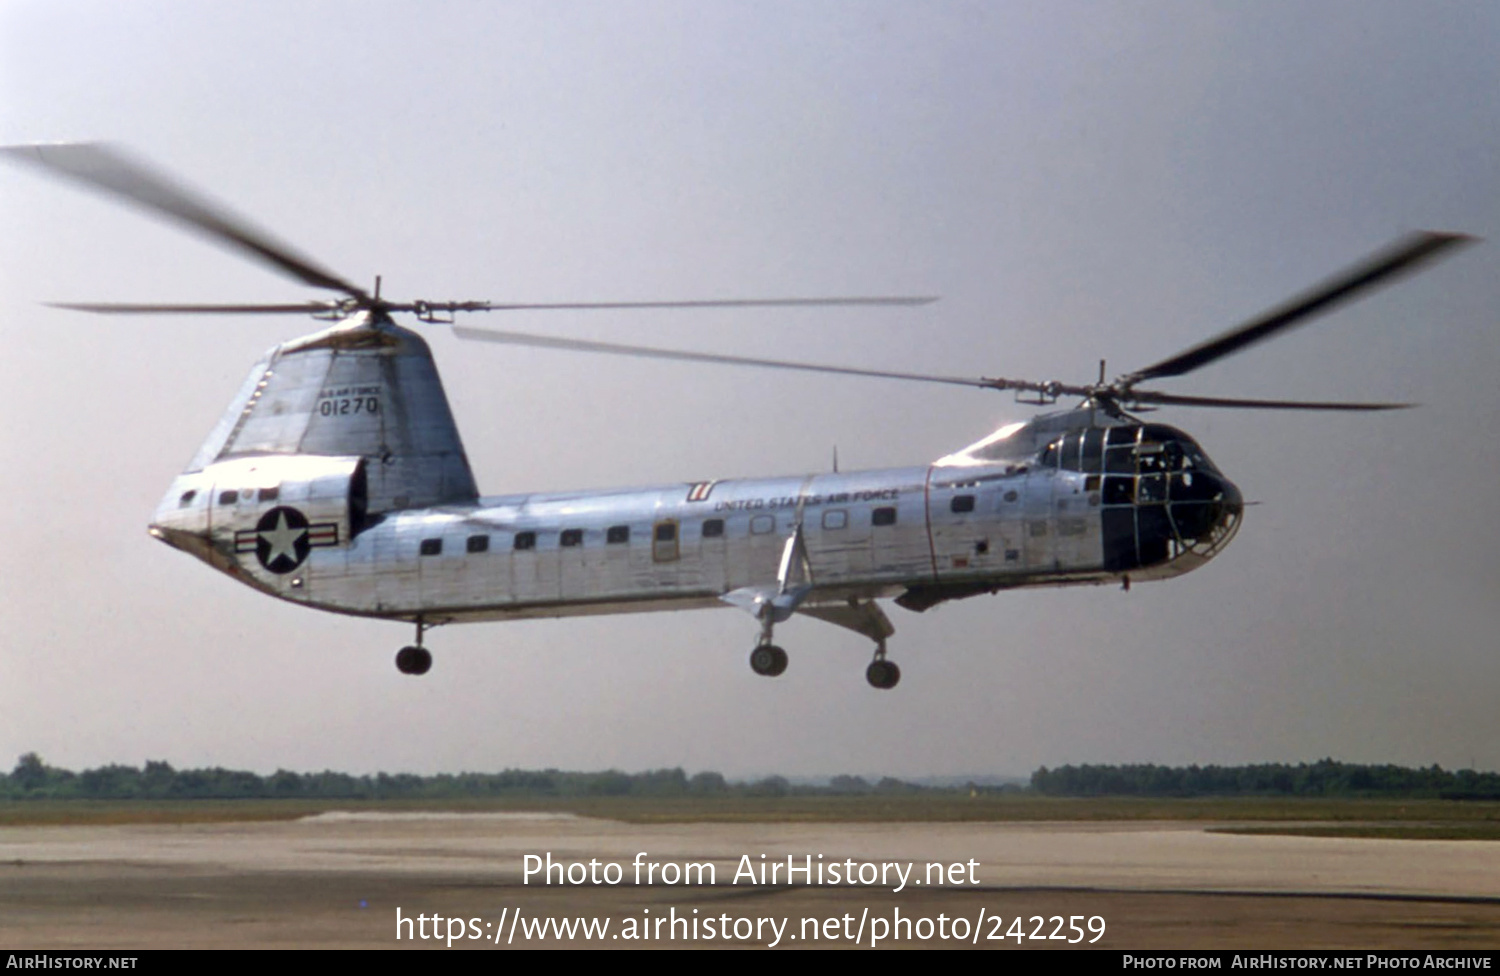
<point x="1077" y="181"/>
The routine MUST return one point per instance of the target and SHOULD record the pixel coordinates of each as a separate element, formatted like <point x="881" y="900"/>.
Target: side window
<point x="883" y="516"/>
<point x="432" y="547"/>
<point x="570" y="538"/>
<point x="525" y="540"/>
<point x="228" y="497"/>
<point x="835" y="518"/>
<point x="187" y="498"/>
<point x="479" y="543"/>
<point x="762" y="524"/>
<point x="713" y="529"/>
<point x="664" y="541"/>
<point x="617" y="535"/>
<point x="961" y="504"/>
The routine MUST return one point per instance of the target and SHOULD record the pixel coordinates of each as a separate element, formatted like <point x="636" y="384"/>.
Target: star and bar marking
<point x="283" y="537"/>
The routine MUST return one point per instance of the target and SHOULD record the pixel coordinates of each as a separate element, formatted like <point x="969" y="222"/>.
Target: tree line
<point x="1325" y="778"/>
<point x="32" y="778"/>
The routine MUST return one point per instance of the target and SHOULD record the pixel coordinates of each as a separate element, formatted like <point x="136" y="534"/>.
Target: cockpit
<point x="1127" y="449"/>
<point x="1164" y="502"/>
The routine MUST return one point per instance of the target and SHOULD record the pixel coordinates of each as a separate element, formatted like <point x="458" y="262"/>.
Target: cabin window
<point x="961" y="504"/>
<point x="479" y="543"/>
<point x="525" y="540"/>
<point x="570" y="538"/>
<point x="835" y="519"/>
<point x="270" y="494"/>
<point x="762" y="524"/>
<point x="1011" y="496"/>
<point x="228" y="497"/>
<point x="713" y="529"/>
<point x="664" y="542"/>
<point x="883" y="516"/>
<point x="617" y="535"/>
<point x="432" y="547"/>
<point x="1122" y="435"/>
<point x="187" y="498"/>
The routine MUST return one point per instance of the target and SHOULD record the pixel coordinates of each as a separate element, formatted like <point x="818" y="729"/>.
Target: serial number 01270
<point x="341" y="406"/>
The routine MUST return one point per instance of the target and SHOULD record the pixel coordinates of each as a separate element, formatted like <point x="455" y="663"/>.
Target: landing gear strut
<point x="414" y="658"/>
<point x="881" y="673"/>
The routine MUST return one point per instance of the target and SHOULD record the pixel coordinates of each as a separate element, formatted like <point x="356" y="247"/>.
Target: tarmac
<point x="447" y="881"/>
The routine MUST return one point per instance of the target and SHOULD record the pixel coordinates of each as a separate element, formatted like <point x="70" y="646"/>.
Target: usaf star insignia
<point x="283" y="537"/>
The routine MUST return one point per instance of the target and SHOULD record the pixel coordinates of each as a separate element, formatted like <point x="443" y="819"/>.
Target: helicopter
<point x="337" y="479"/>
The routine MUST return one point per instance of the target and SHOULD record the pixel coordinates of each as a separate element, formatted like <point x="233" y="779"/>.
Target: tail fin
<point x="365" y="388"/>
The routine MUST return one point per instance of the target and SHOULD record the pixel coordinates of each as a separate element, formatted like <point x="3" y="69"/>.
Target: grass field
<point x="1403" y="819"/>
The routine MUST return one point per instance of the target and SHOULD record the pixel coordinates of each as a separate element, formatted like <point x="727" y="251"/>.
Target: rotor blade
<point x="649" y="352"/>
<point x="105" y="168"/>
<point x="125" y="308"/>
<point x="1172" y="399"/>
<point x="1404" y="256"/>
<point x="719" y="303"/>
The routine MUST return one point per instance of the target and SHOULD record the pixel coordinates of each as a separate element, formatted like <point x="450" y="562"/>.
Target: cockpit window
<point x="1093" y="450"/>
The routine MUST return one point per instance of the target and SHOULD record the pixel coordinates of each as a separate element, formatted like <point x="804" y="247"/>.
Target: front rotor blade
<point x="1172" y="399"/>
<point x="125" y="308"/>
<point x="105" y="168"/>
<point x="1381" y="268"/>
<point x="716" y="303"/>
<point x="680" y="355"/>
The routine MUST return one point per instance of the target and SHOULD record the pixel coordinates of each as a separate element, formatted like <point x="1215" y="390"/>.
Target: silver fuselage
<point x="337" y="480"/>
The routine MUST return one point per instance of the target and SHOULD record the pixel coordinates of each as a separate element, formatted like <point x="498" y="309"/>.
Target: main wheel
<point x="768" y="659"/>
<point x="414" y="660"/>
<point x="883" y="674"/>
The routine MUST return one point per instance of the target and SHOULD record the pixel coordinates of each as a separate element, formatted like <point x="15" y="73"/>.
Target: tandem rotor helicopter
<point x="337" y="479"/>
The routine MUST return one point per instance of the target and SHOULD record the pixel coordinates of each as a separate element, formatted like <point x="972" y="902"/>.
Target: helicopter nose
<point x="1204" y="504"/>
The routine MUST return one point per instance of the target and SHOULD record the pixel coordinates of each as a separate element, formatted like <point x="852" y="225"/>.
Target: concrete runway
<point x="338" y="880"/>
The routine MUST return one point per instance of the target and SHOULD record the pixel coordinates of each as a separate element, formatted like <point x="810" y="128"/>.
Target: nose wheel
<point x="414" y="658"/>
<point x="881" y="673"/>
<point x="768" y="659"/>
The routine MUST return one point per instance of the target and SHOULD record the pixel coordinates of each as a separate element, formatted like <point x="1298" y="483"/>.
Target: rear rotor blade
<point x="1172" y="399"/>
<point x="105" y="168"/>
<point x="1402" y="257"/>
<point x="680" y="355"/>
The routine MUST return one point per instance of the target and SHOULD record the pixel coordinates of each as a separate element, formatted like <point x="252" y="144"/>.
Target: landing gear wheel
<point x="768" y="659"/>
<point x="414" y="660"/>
<point x="883" y="674"/>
